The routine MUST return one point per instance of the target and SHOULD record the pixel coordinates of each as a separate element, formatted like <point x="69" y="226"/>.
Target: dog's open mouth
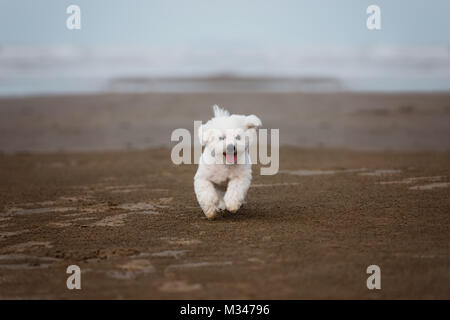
<point x="230" y="158"/>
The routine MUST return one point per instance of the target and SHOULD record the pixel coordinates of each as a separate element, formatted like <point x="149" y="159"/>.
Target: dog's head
<point x="228" y="136"/>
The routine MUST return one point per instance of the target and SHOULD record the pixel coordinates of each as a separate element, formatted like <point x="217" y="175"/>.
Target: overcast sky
<point x="226" y="23"/>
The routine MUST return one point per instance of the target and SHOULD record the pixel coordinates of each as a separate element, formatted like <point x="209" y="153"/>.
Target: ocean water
<point x="28" y="71"/>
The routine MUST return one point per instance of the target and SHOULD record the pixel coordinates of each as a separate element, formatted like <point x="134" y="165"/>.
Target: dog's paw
<point x="232" y="205"/>
<point x="210" y="213"/>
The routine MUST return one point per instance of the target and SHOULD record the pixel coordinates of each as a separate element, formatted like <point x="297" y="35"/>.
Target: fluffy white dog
<point x="224" y="173"/>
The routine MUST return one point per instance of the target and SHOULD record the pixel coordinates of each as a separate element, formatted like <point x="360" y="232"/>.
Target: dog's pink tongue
<point x="230" y="157"/>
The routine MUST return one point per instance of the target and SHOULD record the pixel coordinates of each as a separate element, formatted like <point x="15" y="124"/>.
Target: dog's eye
<point x="238" y="137"/>
<point x="222" y="138"/>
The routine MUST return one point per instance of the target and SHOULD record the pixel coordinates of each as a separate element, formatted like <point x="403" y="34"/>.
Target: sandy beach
<point x="376" y="121"/>
<point x="364" y="179"/>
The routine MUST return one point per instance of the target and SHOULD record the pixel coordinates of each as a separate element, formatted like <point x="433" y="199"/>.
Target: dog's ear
<point x="204" y="134"/>
<point x="252" y="121"/>
<point x="220" y="112"/>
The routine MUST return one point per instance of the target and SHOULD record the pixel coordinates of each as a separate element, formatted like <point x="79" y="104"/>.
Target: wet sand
<point x="360" y="121"/>
<point x="130" y="220"/>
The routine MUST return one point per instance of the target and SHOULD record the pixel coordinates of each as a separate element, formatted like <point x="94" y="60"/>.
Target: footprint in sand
<point x="25" y="262"/>
<point x="198" y="265"/>
<point x="131" y="208"/>
<point x="132" y="269"/>
<point x="179" y="286"/>
<point x="21" y="247"/>
<point x="6" y="234"/>
<point x="4" y="225"/>
<point x="181" y="241"/>
<point x="381" y="172"/>
<point x="21" y="211"/>
<point x="306" y="172"/>
<point x="414" y="180"/>
<point x="60" y="224"/>
<point x="431" y="186"/>
<point x="282" y="184"/>
<point x="141" y="207"/>
<point x="112" y="221"/>
<point x="138" y="265"/>
<point x="170" y="253"/>
<point x="432" y="182"/>
<point x="360" y="171"/>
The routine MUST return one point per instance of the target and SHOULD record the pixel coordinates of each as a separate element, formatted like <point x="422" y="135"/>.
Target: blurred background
<point x="124" y="45"/>
<point x="221" y="48"/>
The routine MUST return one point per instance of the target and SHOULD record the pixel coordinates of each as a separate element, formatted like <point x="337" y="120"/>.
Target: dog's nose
<point x="230" y="148"/>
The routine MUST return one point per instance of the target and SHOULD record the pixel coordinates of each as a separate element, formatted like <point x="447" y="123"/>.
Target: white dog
<point x="224" y="173"/>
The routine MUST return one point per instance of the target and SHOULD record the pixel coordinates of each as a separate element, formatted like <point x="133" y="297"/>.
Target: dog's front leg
<point x="207" y="197"/>
<point x="236" y="191"/>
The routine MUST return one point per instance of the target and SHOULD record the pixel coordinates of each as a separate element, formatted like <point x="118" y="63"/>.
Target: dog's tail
<point x="219" y="112"/>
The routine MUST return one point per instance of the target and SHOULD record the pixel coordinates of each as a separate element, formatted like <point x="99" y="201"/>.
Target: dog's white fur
<point x="223" y="177"/>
